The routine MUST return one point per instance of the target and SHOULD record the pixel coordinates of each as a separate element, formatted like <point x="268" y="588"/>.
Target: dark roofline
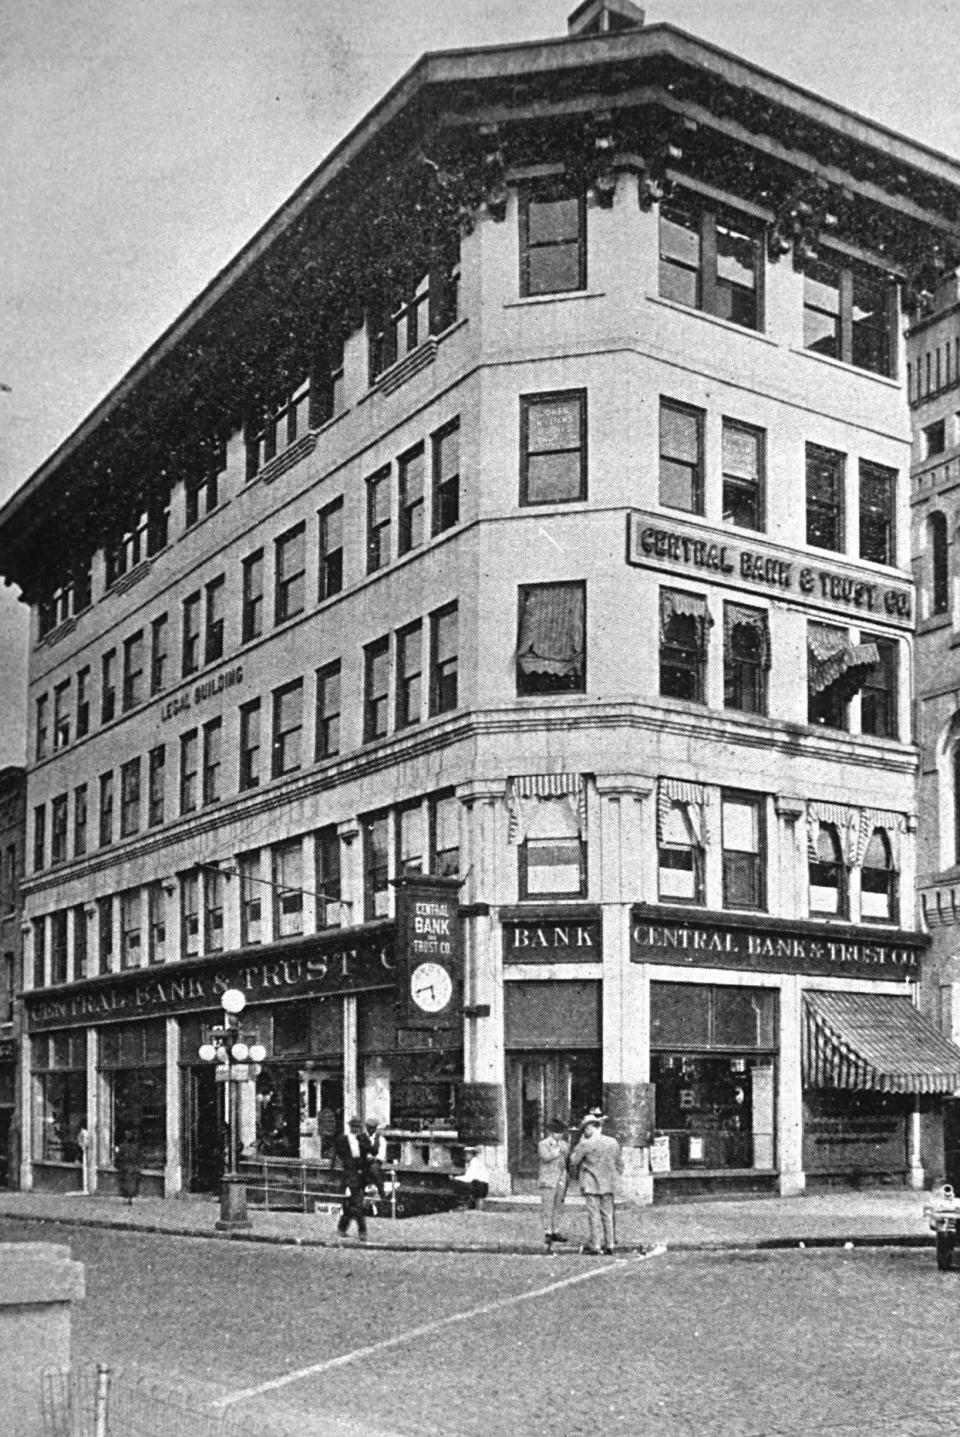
<point x="444" y="68"/>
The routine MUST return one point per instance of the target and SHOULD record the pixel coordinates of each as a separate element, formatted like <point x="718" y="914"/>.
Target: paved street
<point x="339" y="1342"/>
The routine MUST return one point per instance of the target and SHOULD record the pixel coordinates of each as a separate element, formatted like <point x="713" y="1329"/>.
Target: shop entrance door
<point x="206" y="1132"/>
<point x="541" y="1086"/>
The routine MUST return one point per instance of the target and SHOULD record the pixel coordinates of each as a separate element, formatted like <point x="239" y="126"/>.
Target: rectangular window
<point x="681" y="457"/>
<point x="446" y="477"/>
<point x="553" y="447"/>
<point x="746" y="658"/>
<point x="711" y="259"/>
<point x="272" y="431"/>
<point x="291" y="560"/>
<point x="328" y="889"/>
<point x="250" y="744"/>
<point x="878" y="696"/>
<point x="80" y="820"/>
<point x="411" y="839"/>
<point x="43" y="720"/>
<point x="190" y="914"/>
<point x="684" y="625"/>
<point x="409" y="674"/>
<point x="828" y="686"/>
<point x="326" y="383"/>
<point x="58" y="829"/>
<point x="444" y="836"/>
<point x="156" y="770"/>
<point x="132" y="670"/>
<point x="878" y="487"/>
<point x="934" y="439"/>
<point x="328" y="711"/>
<point x="130" y="798"/>
<point x="158" y="654"/>
<point x="104" y="934"/>
<point x="156" y="923"/>
<point x="849" y="313"/>
<point x="825" y="475"/>
<point x="251" y="897"/>
<point x="743" y="475"/>
<point x="130" y="921"/>
<point x="108" y="686"/>
<point x="287" y="728"/>
<point x="202" y="489"/>
<point x="212" y="756"/>
<point x="213" y="624"/>
<point x="376" y="689"/>
<point x="679" y="850"/>
<point x="426" y="305"/>
<point x="191" y="635"/>
<point x="213" y="889"/>
<point x="553" y="867"/>
<point x="444" y="661"/>
<point x="411" y="471"/>
<point x="251" y="619"/>
<point x="39" y="837"/>
<point x="39" y="953"/>
<point x="83" y="702"/>
<point x="106" y="809"/>
<point x="10" y="878"/>
<point x="743" y="851"/>
<point x="551" y="639"/>
<point x="80" y="932"/>
<point x="189" y="747"/>
<point x="331" y="550"/>
<point x="58" y="946"/>
<point x="288" y="888"/>
<point x="376" y="868"/>
<point x="379" y="501"/>
<point x="553" y="238"/>
<point x="61" y="715"/>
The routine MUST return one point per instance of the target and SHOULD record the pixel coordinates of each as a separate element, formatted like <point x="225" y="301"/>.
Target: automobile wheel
<point x="944" y="1251"/>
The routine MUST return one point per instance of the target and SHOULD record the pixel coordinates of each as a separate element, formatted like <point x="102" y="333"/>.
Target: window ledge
<point x="60" y="632"/>
<point x="133" y="576"/>
<point x="933" y="623"/>
<point x="725" y="324"/>
<point x="292" y="455"/>
<point x="559" y="297"/>
<point x="847" y="368"/>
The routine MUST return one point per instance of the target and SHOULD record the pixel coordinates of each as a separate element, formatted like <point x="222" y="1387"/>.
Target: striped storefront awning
<point x="870" y="1041"/>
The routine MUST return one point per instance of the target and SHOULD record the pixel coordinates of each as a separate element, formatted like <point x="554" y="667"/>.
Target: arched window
<point x="878" y="881"/>
<point x="939" y="578"/>
<point x="828" y="875"/>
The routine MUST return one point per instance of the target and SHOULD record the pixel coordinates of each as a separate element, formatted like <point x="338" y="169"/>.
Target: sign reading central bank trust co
<point x="655" y="541"/>
<point x="658" y="937"/>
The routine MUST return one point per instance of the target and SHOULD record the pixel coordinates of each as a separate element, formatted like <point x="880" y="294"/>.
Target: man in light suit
<point x="597" y="1159"/>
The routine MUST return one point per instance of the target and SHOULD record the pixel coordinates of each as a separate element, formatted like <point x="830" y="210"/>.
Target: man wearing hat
<point x="597" y="1159"/>
<point x="353" y="1154"/>
<point x="553" y="1150"/>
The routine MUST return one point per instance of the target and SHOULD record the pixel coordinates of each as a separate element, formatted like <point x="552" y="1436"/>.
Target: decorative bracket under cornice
<point x="811" y="208"/>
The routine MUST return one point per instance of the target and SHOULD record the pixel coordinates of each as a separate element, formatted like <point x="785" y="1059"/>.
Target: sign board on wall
<point x="429" y="952"/>
<point x="552" y="940"/>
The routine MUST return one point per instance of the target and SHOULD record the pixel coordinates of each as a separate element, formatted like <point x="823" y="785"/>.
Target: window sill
<point x="845" y="367"/>
<point x="389" y="380"/>
<point x="561" y="296"/>
<point x="727" y="325"/>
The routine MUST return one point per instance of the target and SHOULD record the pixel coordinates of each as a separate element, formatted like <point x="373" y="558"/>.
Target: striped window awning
<point x="875" y="1043"/>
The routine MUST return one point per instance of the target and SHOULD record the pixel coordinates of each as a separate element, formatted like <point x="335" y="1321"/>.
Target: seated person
<point x="474" y="1181"/>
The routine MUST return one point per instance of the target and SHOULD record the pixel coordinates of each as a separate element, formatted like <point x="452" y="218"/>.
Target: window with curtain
<point x="681" y="457"/>
<point x="679" y="853"/>
<point x="684" y="626"/>
<point x="828" y="875"/>
<point x="878" y="881"/>
<point x="551" y="643"/>
<point x="746" y="658"/>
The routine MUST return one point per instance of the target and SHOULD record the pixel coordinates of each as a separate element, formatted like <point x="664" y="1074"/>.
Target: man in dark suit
<point x="353" y="1155"/>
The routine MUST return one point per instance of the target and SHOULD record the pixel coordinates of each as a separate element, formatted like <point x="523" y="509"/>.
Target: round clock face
<point x="431" y="987"/>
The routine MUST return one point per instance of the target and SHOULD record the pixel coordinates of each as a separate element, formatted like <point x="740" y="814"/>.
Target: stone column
<point x="38" y="1283"/>
<point x="621" y="823"/>
<point x="791" y="811"/>
<point x="351" y="871"/>
<point x="173" y="1167"/>
<point x="351" y="1090"/>
<point x="790" y="1106"/>
<point x="916" y="1176"/>
<point x="98" y="1142"/>
<point x="483" y="841"/>
<point x="26" y="1111"/>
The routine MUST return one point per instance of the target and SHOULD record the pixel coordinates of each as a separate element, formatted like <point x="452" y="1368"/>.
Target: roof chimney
<point x="600" y="17"/>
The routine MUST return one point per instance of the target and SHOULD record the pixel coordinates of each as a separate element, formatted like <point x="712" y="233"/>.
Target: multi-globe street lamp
<point x="235" y="1054"/>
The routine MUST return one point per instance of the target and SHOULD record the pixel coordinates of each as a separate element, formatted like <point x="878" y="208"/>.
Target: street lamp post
<point x="233" y="1054"/>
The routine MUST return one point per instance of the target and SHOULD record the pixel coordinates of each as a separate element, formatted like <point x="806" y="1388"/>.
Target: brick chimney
<point x="600" y="17"/>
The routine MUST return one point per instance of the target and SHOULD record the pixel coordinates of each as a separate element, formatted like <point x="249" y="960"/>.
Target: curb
<point x="495" y="1249"/>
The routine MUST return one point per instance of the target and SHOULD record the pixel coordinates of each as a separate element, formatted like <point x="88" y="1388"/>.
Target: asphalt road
<point x="345" y="1342"/>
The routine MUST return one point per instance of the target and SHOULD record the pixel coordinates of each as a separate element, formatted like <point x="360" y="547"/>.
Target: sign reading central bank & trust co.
<point x="656" y="541"/>
<point x="347" y="961"/>
<point x="656" y="936"/>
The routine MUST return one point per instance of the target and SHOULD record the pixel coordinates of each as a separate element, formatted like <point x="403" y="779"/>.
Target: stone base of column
<point x="233" y="1204"/>
<point x="916" y="1179"/>
<point x="636" y="1180"/>
<point x="629" y="1108"/>
<point x="792" y="1184"/>
<point x="501" y="1183"/>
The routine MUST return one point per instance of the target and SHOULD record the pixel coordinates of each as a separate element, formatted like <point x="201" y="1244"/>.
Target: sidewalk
<point x="881" y="1217"/>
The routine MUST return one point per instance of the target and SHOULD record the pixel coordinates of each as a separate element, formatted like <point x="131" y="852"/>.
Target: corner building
<point x="525" y="506"/>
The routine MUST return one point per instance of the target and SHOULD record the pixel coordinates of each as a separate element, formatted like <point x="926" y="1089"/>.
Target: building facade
<point x="13" y="834"/>
<point x="524" y="509"/>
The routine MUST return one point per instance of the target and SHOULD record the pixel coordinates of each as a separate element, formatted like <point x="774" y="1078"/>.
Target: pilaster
<point x="790" y="1104"/>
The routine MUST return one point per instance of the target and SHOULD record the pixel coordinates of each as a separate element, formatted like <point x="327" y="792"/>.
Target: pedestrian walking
<point x="353" y="1155"/>
<point x="597" y="1160"/>
<point x="553" y="1152"/>
<point x="128" y="1167"/>
<point x="378" y="1156"/>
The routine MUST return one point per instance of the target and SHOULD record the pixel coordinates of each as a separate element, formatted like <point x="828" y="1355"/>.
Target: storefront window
<point x="713" y="1064"/>
<point x="300" y="1089"/>
<point x="60" y="1096"/>
<point x="134" y="1104"/>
